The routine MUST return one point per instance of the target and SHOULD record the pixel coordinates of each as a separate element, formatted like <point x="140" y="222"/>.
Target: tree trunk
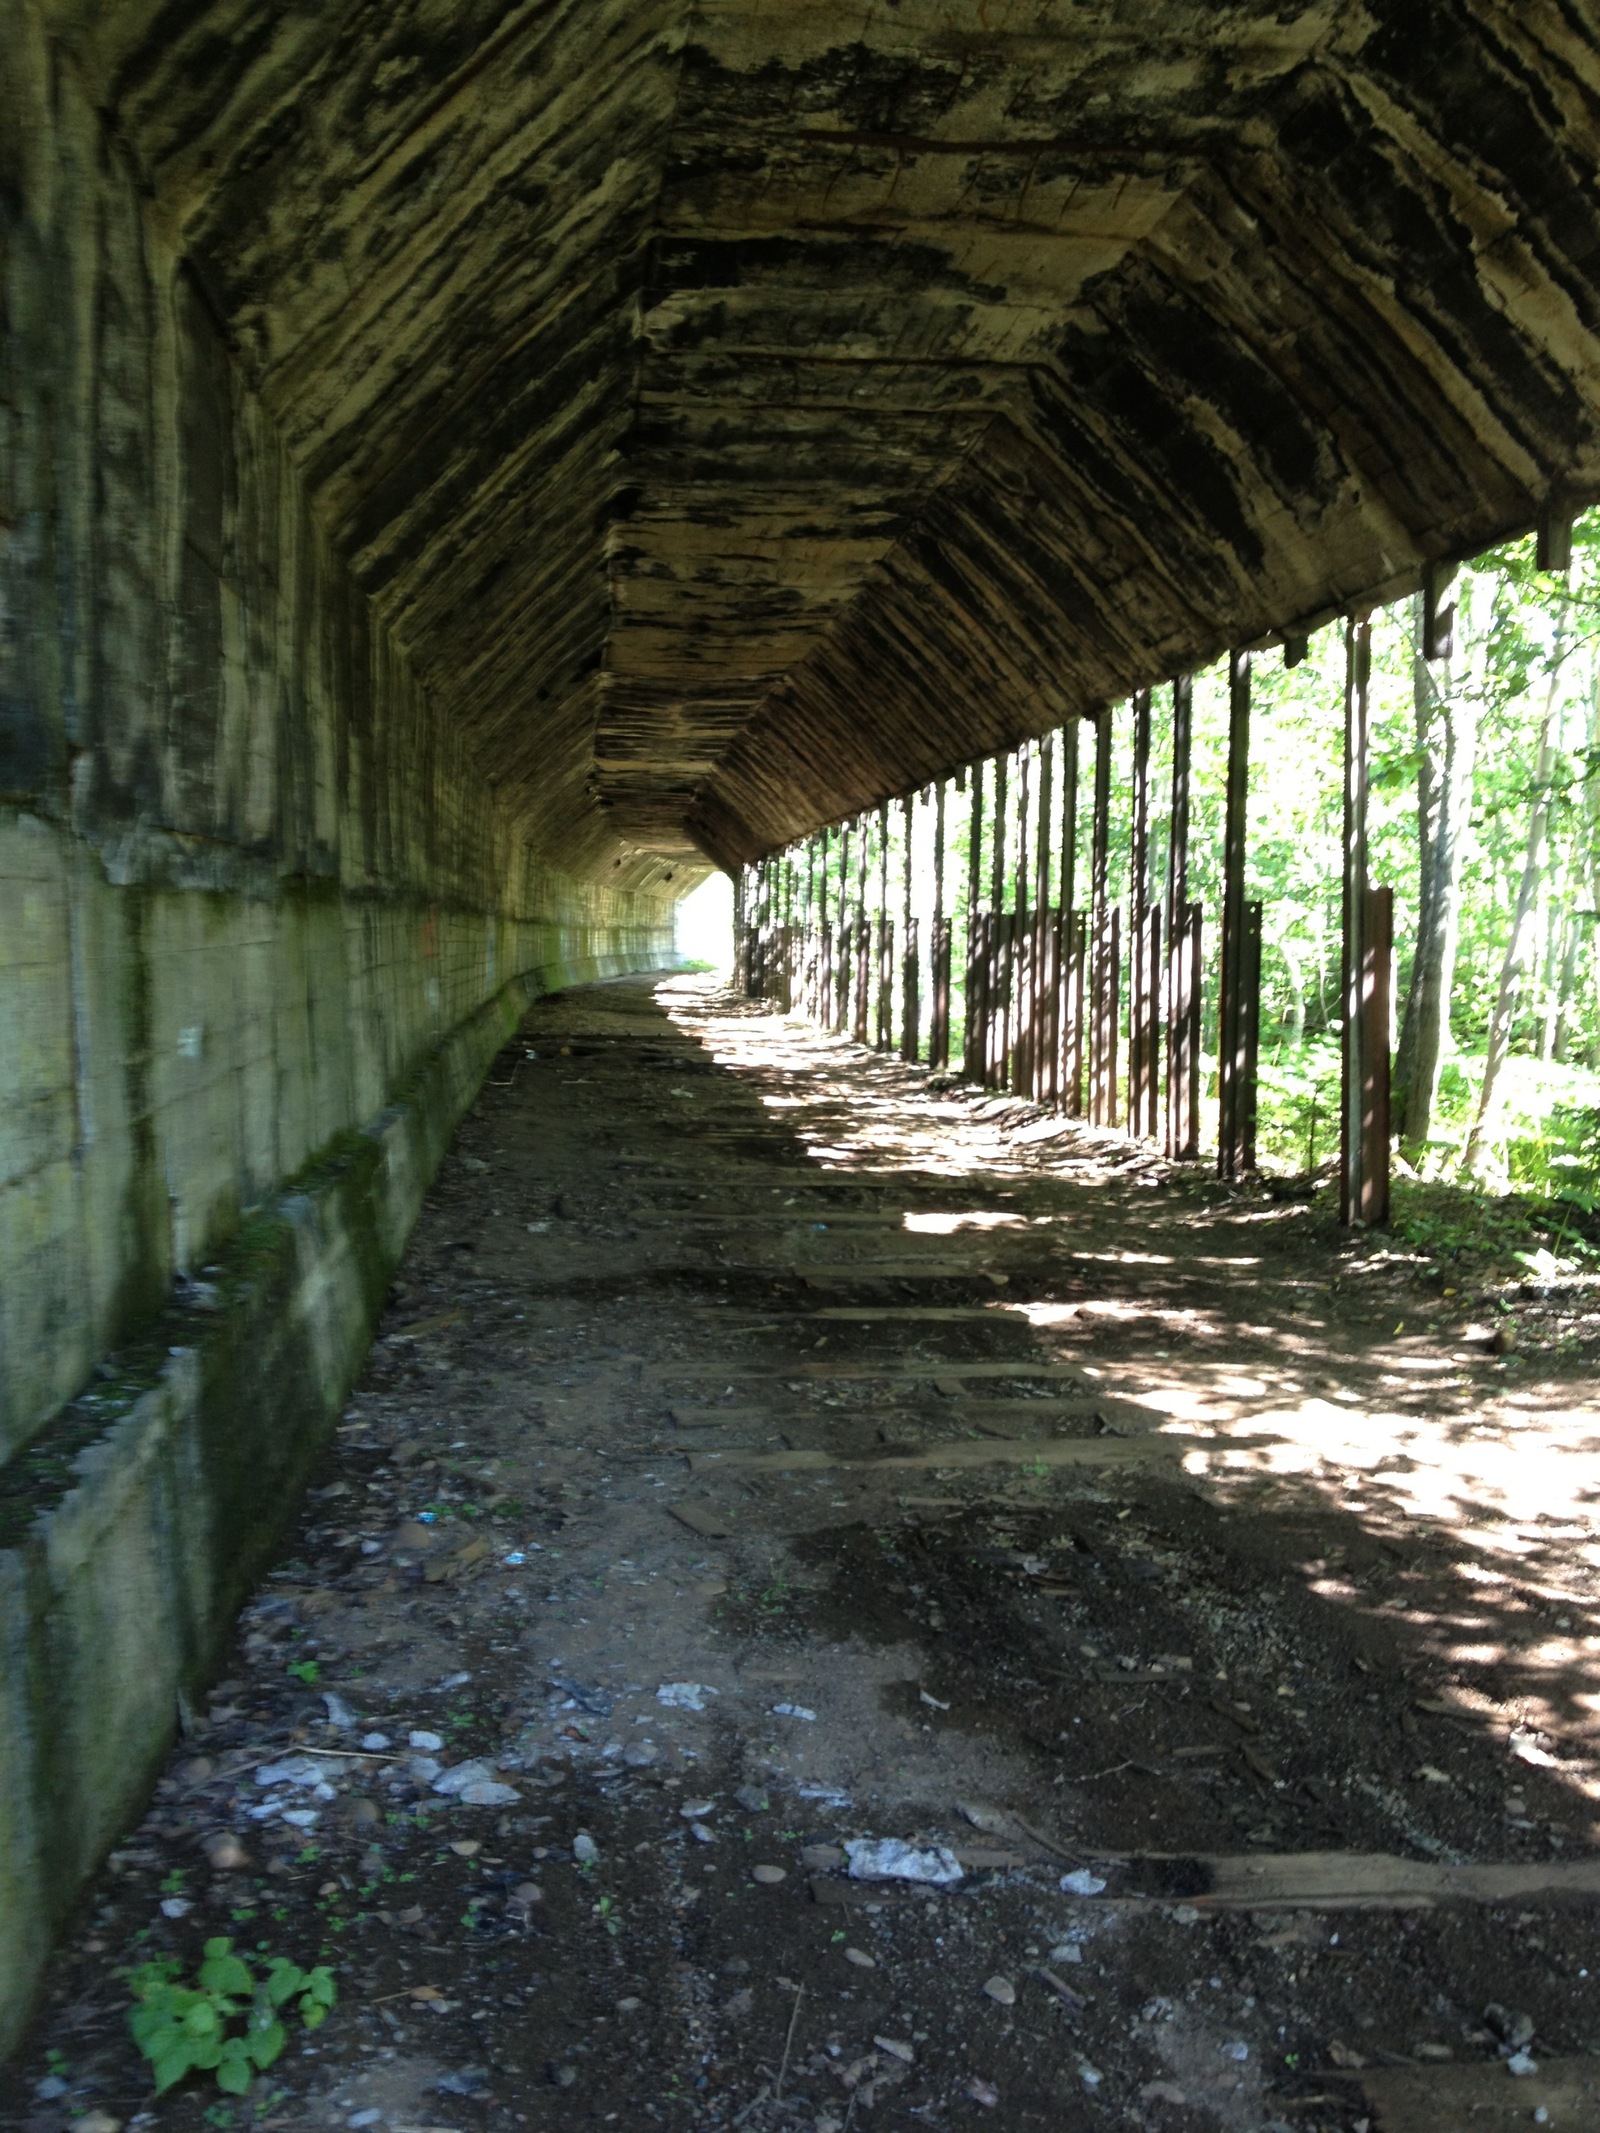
<point x="1477" y="1148"/>
<point x="1447" y="738"/>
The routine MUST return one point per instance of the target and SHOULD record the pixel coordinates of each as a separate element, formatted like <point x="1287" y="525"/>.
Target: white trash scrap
<point x="684" y="1695"/>
<point x="892" y="1859"/>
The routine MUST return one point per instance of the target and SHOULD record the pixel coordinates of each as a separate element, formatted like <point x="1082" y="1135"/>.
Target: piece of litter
<point x="298" y="1770"/>
<point x="932" y="1702"/>
<point x="793" y="1710"/>
<point x="1001" y="1991"/>
<point x="1080" y="1882"/>
<point x="515" y="1559"/>
<point x="1525" y="1747"/>
<point x="1521" y="2065"/>
<point x="861" y="1959"/>
<point x="684" y="1695"/>
<point x="1236" y="2050"/>
<point x="979" y="2091"/>
<point x="339" y="1712"/>
<point x="892" y="1859"/>
<point x="896" y="2048"/>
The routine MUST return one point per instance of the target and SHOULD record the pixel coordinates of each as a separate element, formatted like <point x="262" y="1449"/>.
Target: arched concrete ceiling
<point x="745" y="410"/>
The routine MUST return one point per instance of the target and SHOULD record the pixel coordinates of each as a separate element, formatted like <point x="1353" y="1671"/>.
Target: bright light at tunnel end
<point x="703" y="922"/>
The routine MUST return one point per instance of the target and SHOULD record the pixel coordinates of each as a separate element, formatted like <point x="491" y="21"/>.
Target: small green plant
<point x="183" y="2029"/>
<point x="306" y="1670"/>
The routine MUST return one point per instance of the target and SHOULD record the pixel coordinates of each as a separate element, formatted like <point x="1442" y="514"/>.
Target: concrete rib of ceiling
<point x="742" y="412"/>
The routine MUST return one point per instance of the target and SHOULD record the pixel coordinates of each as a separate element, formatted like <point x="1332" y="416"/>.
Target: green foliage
<point x="183" y="2029"/>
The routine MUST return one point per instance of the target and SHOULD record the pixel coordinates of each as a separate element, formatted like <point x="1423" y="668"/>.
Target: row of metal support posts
<point x="1043" y="981"/>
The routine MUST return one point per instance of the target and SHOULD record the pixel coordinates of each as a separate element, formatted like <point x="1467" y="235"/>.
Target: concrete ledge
<point x="140" y="1532"/>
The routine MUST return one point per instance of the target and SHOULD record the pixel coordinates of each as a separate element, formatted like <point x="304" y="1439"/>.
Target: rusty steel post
<point x="975" y="1004"/>
<point x="910" y="970"/>
<point x="1183" y="946"/>
<point x="1046" y="989"/>
<point x="1144" y="930"/>
<point x="1020" y="1077"/>
<point x="1104" y="941"/>
<point x="1069" y="1032"/>
<point x="859" y="1020"/>
<point x="1367" y="950"/>
<point x="994" y="1035"/>
<point x="939" y="1019"/>
<point x="1235" y="1099"/>
<point x="823" y="1012"/>
<point x="883" y="1035"/>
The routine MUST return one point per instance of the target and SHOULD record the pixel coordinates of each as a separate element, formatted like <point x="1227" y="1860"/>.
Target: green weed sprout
<point x="184" y="2029"/>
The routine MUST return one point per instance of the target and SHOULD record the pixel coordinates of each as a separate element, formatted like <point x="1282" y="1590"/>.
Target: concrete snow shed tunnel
<point x="466" y="471"/>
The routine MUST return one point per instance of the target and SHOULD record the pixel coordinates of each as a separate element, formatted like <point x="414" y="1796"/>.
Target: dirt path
<point x="761" y="1455"/>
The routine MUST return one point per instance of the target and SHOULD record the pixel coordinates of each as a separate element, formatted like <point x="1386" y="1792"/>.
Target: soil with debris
<point x="768" y="1449"/>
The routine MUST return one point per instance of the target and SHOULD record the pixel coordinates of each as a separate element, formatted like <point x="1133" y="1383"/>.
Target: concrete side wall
<point x="263" y="921"/>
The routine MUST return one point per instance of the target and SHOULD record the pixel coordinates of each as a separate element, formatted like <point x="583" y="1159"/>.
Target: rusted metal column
<point x="839" y="1012"/>
<point x="939" y="946"/>
<point x="1183" y="946"/>
<point x="1235" y="1097"/>
<point x="1367" y="946"/>
<point x="974" y="1032"/>
<point x="998" y="964"/>
<point x="1046" y="986"/>
<point x="884" y="1033"/>
<point x="862" y="1003"/>
<point x="822" y="1004"/>
<point x="1144" y="930"/>
<point x="1105" y="972"/>
<point x="1069" y="961"/>
<point x="910" y="969"/>
<point x="1022" y="974"/>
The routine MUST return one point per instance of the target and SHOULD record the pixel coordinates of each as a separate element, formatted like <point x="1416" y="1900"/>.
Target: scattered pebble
<point x="897" y="2048"/>
<point x="980" y="2091"/>
<point x="821" y="1858"/>
<point x="1001" y="1990"/>
<point x="584" y="1848"/>
<point x="861" y="1959"/>
<point x="429" y="1743"/>
<point x="771" y="1875"/>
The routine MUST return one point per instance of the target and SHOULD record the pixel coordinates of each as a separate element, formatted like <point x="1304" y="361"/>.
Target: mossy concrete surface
<point x="133" y="1550"/>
